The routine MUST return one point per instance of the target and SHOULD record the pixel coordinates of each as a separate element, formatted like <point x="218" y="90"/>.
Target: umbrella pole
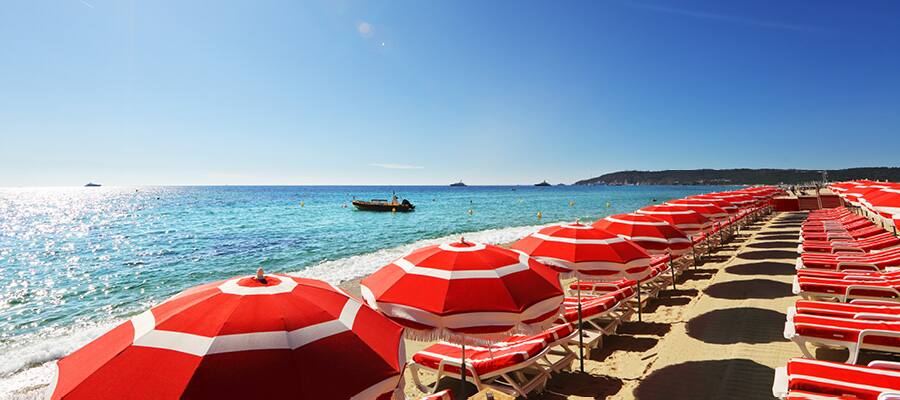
<point x="462" y="372"/>
<point x="639" y="304"/>
<point x="672" y="270"/>
<point x="580" y="332"/>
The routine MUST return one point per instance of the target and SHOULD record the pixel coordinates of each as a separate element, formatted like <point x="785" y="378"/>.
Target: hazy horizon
<point x="335" y="92"/>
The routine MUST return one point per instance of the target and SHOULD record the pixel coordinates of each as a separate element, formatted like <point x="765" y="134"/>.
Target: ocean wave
<point x="358" y="266"/>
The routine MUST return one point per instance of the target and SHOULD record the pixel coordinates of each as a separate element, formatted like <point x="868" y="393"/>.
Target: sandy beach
<point x="719" y="335"/>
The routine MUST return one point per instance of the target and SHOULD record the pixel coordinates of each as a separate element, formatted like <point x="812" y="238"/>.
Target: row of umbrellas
<point x="879" y="198"/>
<point x="273" y="335"/>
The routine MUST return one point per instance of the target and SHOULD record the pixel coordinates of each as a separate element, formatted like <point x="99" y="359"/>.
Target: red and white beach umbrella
<point x="463" y="290"/>
<point x="653" y="234"/>
<point x="741" y="200"/>
<point x="685" y="219"/>
<point x="855" y="194"/>
<point x="726" y="205"/>
<point x="885" y="203"/>
<point x="263" y="337"/>
<point x="587" y="252"/>
<point x="704" y="207"/>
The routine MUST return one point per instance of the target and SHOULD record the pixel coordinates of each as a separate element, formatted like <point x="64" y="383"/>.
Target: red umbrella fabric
<point x="465" y="290"/>
<point x="704" y="207"/>
<point x="685" y="219"/>
<point x="587" y="252"/>
<point x="726" y="205"/>
<point x="883" y="201"/>
<point x="283" y="337"/>
<point x="654" y="235"/>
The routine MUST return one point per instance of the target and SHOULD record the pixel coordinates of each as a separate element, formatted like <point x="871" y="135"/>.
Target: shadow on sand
<point x="626" y="343"/>
<point x="579" y="384"/>
<point x="777" y="236"/>
<point x="766" y="254"/>
<point x="644" y="328"/>
<point x="771" y="268"/>
<point x="779" y="244"/>
<point x="714" y="379"/>
<point x="749" y="289"/>
<point x="737" y="325"/>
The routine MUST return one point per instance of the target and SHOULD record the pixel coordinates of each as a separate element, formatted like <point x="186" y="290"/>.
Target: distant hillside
<point x="743" y="176"/>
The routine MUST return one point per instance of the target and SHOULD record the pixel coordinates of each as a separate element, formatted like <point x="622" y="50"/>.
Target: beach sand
<point x="718" y="336"/>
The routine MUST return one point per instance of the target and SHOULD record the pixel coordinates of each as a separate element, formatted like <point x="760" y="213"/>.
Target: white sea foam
<point x="358" y="266"/>
<point x="26" y="369"/>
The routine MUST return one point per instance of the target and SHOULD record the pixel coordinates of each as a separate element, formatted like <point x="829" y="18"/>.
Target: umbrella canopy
<point x="464" y="290"/>
<point x="274" y="337"/>
<point x="883" y="201"/>
<point x="704" y="207"/>
<point x="742" y="200"/>
<point x="587" y="252"/>
<point x="726" y="205"/>
<point x="685" y="219"/>
<point x="654" y="235"/>
<point x="856" y="193"/>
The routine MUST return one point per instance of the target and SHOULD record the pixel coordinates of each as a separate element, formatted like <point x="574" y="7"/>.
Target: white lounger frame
<point x="853" y="347"/>
<point x="847" y="295"/>
<point x="515" y="380"/>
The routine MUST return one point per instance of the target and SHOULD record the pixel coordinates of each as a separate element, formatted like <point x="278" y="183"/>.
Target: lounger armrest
<point x="842" y="265"/>
<point x="863" y="278"/>
<point x="881" y="364"/>
<point x="877" y="316"/>
<point x="861" y="340"/>
<point x="851" y="288"/>
<point x="874" y="302"/>
<point x="837" y="248"/>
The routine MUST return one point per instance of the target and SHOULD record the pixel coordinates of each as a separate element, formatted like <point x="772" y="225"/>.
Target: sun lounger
<point x="856" y="234"/>
<point x="847" y="288"/>
<point x="518" y="365"/>
<point x="875" y="261"/>
<point x="814" y="379"/>
<point x="601" y="314"/>
<point x="878" y="242"/>
<point x="843" y="310"/>
<point x="864" y="331"/>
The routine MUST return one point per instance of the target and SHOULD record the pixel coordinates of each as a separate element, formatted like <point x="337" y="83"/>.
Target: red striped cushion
<point x="837" y="379"/>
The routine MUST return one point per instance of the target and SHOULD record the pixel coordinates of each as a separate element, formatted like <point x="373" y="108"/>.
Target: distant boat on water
<point x="92" y="184"/>
<point x="384" y="205"/>
<point x="544" y="183"/>
<point x="459" y="184"/>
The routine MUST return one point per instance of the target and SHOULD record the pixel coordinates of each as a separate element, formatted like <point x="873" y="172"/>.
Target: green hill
<point x="741" y="176"/>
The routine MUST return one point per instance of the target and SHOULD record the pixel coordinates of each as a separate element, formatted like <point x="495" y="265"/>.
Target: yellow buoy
<point x="471" y="211"/>
<point x="571" y="203"/>
<point x="301" y="204"/>
<point x="608" y="204"/>
<point x="540" y="215"/>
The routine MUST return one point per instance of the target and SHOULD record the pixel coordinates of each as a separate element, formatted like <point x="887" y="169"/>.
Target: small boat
<point x="544" y="183"/>
<point x="92" y="184"/>
<point x="460" y="183"/>
<point x="384" y="205"/>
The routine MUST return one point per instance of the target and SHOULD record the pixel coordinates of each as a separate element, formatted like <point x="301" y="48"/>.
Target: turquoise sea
<point x="77" y="261"/>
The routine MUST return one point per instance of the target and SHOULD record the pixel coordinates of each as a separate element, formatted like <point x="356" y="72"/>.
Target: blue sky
<point x="426" y="92"/>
